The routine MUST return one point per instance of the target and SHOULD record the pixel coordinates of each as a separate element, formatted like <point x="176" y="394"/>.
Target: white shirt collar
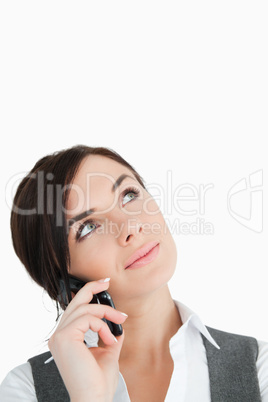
<point x="189" y="317"/>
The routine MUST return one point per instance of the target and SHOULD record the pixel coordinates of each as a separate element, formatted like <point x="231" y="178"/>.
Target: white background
<point x="176" y="87"/>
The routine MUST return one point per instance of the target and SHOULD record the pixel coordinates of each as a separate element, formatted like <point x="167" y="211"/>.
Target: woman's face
<point x="125" y="219"/>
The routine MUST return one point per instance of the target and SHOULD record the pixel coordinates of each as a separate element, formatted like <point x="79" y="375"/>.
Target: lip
<point x="143" y="256"/>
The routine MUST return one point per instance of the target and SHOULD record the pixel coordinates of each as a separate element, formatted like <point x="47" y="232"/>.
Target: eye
<point x="85" y="229"/>
<point x="129" y="195"/>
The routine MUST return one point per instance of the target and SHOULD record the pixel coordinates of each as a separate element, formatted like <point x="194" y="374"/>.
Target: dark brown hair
<point x="38" y="223"/>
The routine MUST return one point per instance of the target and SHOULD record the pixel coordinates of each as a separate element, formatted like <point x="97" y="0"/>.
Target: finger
<point x="76" y="329"/>
<point x="98" y="310"/>
<point x="85" y="294"/>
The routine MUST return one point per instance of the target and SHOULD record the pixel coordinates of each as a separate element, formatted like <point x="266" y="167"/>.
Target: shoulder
<point x="18" y="385"/>
<point x="228" y="339"/>
<point x="262" y="369"/>
<point x="247" y="348"/>
<point x="241" y="344"/>
<point x="263" y="352"/>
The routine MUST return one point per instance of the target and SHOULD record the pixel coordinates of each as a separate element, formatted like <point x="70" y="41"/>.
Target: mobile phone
<point x="100" y="298"/>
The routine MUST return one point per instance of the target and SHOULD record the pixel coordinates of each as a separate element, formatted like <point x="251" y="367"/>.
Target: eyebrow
<point x="84" y="214"/>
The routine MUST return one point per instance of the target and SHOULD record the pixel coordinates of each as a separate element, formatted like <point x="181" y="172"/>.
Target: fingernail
<point x="115" y="339"/>
<point x="104" y="280"/>
<point x="124" y="314"/>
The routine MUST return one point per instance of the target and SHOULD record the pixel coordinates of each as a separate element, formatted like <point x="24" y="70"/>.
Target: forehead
<point x="96" y="175"/>
<point x="97" y="168"/>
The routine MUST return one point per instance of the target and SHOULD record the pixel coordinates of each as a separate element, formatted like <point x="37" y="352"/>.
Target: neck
<point x="152" y="321"/>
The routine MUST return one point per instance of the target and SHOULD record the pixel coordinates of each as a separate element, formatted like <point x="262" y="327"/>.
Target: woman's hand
<point x="89" y="374"/>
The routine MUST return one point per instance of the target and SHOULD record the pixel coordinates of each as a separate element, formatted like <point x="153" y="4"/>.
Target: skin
<point x="124" y="224"/>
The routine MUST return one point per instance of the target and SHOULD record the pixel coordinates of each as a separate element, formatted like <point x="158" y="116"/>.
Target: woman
<point x="86" y="212"/>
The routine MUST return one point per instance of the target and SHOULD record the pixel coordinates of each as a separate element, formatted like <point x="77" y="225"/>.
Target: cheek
<point x="158" y="227"/>
<point x="150" y="206"/>
<point x="153" y="219"/>
<point x="89" y="262"/>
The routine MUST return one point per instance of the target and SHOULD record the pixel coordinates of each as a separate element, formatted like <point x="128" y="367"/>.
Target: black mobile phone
<point x="100" y="298"/>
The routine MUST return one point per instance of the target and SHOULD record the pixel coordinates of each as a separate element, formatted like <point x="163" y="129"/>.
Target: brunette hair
<point x="38" y="223"/>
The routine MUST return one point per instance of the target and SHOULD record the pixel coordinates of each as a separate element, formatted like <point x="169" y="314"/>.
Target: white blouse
<point x="190" y="378"/>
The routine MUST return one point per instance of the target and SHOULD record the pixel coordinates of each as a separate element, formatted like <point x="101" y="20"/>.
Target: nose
<point x="129" y="230"/>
